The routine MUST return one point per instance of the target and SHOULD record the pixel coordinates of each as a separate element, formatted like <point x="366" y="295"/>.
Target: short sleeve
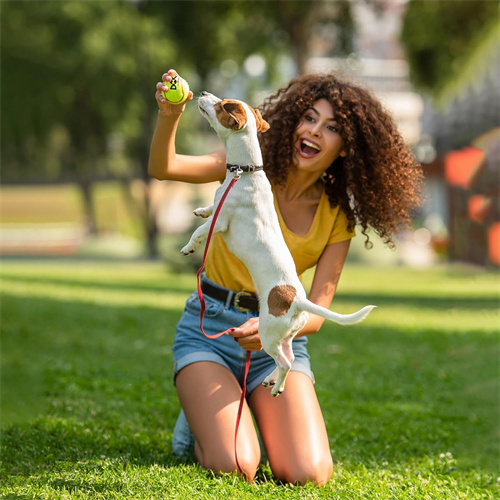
<point x="340" y="231"/>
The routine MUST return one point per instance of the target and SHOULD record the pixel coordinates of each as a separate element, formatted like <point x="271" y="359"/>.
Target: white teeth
<point x="311" y="145"/>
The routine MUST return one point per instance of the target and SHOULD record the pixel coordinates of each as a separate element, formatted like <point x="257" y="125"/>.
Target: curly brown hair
<point x="378" y="183"/>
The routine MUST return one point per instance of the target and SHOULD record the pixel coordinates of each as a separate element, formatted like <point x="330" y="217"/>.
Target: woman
<point x="335" y="159"/>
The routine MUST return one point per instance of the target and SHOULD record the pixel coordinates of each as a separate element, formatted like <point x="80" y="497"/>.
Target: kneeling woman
<point x="335" y="159"/>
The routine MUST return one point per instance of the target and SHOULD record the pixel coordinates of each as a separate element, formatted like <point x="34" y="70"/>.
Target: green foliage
<point x="441" y="38"/>
<point x="410" y="396"/>
<point x="212" y="31"/>
<point x="73" y="74"/>
<point x="78" y="77"/>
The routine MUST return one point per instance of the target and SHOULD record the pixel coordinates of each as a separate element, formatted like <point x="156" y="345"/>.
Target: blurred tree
<point x="76" y="82"/>
<point x="300" y="19"/>
<point x="210" y="32"/>
<point x="78" y="77"/>
<point x="448" y="42"/>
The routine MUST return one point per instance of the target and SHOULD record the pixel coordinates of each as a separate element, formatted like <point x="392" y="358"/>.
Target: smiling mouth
<point x="308" y="149"/>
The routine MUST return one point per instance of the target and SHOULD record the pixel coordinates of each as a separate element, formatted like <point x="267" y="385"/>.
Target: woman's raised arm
<point x="164" y="162"/>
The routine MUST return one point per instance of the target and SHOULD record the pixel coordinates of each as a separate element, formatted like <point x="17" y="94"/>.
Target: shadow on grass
<point x="107" y="391"/>
<point x="393" y="395"/>
<point x="186" y="285"/>
<point x="124" y="286"/>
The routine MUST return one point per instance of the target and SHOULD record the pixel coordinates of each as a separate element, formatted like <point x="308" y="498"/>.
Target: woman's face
<point x="317" y="142"/>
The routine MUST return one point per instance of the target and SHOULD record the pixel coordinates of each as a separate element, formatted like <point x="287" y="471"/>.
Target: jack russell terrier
<point x="249" y="225"/>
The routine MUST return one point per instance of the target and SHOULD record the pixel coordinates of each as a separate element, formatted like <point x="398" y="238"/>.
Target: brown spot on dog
<point x="280" y="299"/>
<point x="231" y="114"/>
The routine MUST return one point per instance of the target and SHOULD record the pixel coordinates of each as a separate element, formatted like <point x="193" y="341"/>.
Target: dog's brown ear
<point x="262" y="125"/>
<point x="232" y="115"/>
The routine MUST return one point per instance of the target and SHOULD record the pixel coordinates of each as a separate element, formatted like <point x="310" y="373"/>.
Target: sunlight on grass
<point x="88" y="404"/>
<point x="116" y="284"/>
<point x="95" y="295"/>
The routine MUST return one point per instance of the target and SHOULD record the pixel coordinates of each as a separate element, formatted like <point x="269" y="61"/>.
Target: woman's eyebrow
<point x="317" y="112"/>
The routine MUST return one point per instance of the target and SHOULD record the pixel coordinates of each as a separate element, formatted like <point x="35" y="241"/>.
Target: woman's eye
<point x="309" y="118"/>
<point x="332" y="128"/>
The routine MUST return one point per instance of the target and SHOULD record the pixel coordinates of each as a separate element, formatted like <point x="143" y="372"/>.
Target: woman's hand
<point x="167" y="109"/>
<point x="247" y="335"/>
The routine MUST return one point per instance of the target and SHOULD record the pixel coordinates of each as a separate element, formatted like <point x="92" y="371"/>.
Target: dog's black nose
<point x="204" y="93"/>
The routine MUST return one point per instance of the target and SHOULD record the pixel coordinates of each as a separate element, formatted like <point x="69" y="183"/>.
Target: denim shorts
<point x="191" y="346"/>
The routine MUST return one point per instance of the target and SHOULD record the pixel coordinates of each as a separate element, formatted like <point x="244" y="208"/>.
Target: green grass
<point x="410" y="396"/>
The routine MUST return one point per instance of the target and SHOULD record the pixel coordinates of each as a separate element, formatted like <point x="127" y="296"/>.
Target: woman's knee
<point x="222" y="461"/>
<point x="317" y="472"/>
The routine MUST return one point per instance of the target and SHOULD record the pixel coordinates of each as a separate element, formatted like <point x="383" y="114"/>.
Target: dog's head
<point x="228" y="116"/>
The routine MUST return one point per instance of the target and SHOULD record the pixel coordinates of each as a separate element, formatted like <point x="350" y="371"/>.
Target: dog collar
<point x="244" y="168"/>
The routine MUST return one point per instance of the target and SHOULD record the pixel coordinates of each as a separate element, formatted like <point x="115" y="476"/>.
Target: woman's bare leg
<point x="293" y="431"/>
<point x="210" y="395"/>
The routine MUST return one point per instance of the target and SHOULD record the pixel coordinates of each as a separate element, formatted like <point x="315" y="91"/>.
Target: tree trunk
<point x="142" y="209"/>
<point x="88" y="206"/>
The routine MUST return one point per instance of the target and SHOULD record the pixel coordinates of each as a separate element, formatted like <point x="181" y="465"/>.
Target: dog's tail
<point x="341" y="319"/>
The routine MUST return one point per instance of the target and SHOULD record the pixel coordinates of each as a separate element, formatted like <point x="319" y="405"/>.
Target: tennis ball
<point x="178" y="90"/>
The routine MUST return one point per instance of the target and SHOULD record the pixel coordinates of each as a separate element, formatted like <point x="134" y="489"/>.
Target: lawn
<point x="410" y="396"/>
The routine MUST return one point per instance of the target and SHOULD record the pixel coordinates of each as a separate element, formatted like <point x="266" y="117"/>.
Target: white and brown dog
<point x="249" y="225"/>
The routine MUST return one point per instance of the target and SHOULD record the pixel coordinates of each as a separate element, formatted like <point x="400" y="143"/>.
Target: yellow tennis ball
<point x="178" y="90"/>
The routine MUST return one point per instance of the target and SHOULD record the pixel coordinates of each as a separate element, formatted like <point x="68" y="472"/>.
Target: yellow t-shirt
<point x="329" y="226"/>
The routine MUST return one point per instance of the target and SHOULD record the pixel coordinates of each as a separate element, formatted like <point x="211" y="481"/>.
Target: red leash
<point x="209" y="238"/>
<point x="238" y="418"/>
<point x="217" y="335"/>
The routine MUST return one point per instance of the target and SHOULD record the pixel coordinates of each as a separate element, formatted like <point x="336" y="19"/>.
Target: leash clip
<point x="238" y="172"/>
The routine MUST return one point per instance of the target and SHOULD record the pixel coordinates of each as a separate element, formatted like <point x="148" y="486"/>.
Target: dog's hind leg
<point x="204" y="211"/>
<point x="283" y="356"/>
<point x="284" y="366"/>
<point x="285" y="361"/>
<point x="288" y="350"/>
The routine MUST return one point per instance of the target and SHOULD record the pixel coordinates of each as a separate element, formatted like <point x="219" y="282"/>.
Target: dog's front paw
<point x="203" y="212"/>
<point x="188" y="249"/>
<point x="268" y="383"/>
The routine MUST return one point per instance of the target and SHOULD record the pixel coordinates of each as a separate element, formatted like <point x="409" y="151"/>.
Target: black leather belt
<point x="242" y="301"/>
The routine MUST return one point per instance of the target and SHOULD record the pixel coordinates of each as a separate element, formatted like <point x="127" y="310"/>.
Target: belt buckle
<point x="237" y="298"/>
